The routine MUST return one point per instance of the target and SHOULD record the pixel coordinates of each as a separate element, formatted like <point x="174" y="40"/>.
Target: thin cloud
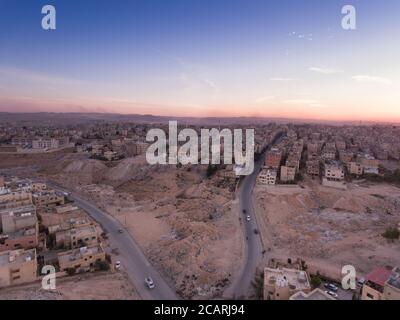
<point x="325" y="70"/>
<point x="372" y="79"/>
<point x="302" y="101"/>
<point x="282" y="79"/>
<point x="33" y="76"/>
<point x="265" y="99"/>
<point x="193" y="75"/>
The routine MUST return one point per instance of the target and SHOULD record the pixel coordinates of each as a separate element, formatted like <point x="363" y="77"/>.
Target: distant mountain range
<point x="76" y="118"/>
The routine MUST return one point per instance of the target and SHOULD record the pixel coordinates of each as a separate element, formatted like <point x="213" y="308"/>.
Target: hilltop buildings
<point x="21" y="203"/>
<point x="382" y="284"/>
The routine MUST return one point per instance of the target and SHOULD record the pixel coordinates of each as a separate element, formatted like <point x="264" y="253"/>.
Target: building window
<point x="370" y="296"/>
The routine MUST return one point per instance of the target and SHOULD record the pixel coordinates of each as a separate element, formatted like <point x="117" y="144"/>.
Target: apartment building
<point x="281" y="284"/>
<point x="14" y="219"/>
<point x="334" y="171"/>
<point x="267" y="177"/>
<point x="391" y="289"/>
<point x="313" y="167"/>
<point x="328" y="154"/>
<point x="313" y="149"/>
<point x="37" y="186"/>
<point x="287" y="174"/>
<point x="21" y="239"/>
<point x="45" y="143"/>
<point x="369" y="163"/>
<point x="49" y="143"/>
<point x="375" y="281"/>
<point x="47" y="199"/>
<point x="77" y="237"/>
<point x="334" y="175"/>
<point x="340" y="145"/>
<point x="82" y="259"/>
<point x="273" y="158"/>
<point x="141" y="147"/>
<point x="15" y="199"/>
<point x="60" y="224"/>
<point x="355" y="168"/>
<point x="346" y="156"/>
<point x="25" y="142"/>
<point x="17" y="267"/>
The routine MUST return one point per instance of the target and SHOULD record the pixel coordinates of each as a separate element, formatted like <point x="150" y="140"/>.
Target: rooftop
<point x="17" y="256"/>
<point x="77" y="254"/>
<point x="394" y="279"/>
<point x="379" y="276"/>
<point x="295" y="279"/>
<point x="316" y="294"/>
<point x="19" y="211"/>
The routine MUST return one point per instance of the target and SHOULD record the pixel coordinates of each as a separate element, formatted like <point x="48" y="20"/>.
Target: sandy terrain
<point x="98" y="286"/>
<point x="330" y="228"/>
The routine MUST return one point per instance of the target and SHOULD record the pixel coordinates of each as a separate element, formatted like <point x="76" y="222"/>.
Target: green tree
<point x="315" y="281"/>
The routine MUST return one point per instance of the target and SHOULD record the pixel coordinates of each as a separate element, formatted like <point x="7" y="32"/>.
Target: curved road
<point x="253" y="247"/>
<point x="131" y="256"/>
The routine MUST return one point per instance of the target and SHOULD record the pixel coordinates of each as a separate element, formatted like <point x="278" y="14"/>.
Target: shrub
<point x="315" y="281"/>
<point x="391" y="233"/>
<point x="102" y="265"/>
<point x="71" y="271"/>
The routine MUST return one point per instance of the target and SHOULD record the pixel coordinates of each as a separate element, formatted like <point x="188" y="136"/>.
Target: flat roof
<point x="17" y="256"/>
<point x="77" y="254"/>
<point x="379" y="275"/>
<point x="296" y="279"/>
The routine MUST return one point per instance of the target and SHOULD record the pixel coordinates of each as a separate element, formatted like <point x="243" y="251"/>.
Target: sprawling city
<point x="172" y="162"/>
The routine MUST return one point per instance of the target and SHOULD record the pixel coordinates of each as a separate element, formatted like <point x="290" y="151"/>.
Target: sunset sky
<point x="281" y="58"/>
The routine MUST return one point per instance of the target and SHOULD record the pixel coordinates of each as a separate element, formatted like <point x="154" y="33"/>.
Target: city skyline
<point x="279" y="59"/>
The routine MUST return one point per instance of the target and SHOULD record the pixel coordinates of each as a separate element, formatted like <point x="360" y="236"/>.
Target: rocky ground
<point x="98" y="286"/>
<point x="330" y="228"/>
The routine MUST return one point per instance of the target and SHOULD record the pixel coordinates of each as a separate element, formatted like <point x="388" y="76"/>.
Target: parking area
<point x="340" y="292"/>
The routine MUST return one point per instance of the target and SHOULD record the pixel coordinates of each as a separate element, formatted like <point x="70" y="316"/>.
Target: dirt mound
<point x="127" y="169"/>
<point x="86" y="166"/>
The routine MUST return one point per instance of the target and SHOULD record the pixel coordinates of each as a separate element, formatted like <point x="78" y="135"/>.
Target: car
<point x="331" y="293"/>
<point x="361" y="282"/>
<point x="244" y="211"/>
<point x="117" y="265"/>
<point x="248" y="218"/>
<point x="150" y="283"/>
<point x="120" y="231"/>
<point x="331" y="287"/>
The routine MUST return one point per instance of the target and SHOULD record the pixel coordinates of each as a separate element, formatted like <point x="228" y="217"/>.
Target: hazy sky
<point x="284" y="58"/>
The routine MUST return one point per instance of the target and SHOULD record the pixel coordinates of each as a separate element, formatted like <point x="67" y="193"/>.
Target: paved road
<point x="132" y="258"/>
<point x="254" y="249"/>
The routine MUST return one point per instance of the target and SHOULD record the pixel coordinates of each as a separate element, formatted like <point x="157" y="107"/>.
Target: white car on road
<point x="332" y="294"/>
<point x="150" y="283"/>
<point x="248" y="218"/>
